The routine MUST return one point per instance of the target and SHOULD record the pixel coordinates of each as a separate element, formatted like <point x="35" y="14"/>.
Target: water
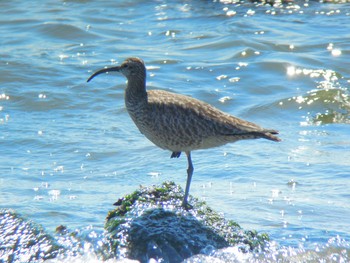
<point x="69" y="149"/>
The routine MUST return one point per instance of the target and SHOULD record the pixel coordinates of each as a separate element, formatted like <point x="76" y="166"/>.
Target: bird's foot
<point x="186" y="206"/>
<point x="175" y="155"/>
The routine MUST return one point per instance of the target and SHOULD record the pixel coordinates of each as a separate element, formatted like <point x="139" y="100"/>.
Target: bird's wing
<point x="184" y="110"/>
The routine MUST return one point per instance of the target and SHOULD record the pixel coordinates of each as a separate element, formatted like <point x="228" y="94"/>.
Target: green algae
<point x="154" y="215"/>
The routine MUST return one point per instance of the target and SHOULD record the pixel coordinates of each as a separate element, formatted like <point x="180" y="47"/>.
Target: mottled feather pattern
<point x="180" y="123"/>
<point x="185" y="123"/>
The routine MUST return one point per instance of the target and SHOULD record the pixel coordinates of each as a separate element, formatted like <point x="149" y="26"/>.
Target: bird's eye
<point x="125" y="66"/>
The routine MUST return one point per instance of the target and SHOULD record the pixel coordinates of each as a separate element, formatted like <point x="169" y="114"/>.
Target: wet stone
<point x="24" y="241"/>
<point x="151" y="224"/>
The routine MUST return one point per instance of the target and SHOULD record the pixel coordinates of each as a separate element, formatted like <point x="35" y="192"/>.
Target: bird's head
<point x="130" y="68"/>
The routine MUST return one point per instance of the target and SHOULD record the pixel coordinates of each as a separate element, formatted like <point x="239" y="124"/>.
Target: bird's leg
<point x="189" y="177"/>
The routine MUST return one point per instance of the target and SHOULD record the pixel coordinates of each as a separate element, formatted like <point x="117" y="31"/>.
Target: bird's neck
<point x="136" y="90"/>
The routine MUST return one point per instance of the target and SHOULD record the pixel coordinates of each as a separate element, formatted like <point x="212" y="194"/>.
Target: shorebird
<point x="180" y="123"/>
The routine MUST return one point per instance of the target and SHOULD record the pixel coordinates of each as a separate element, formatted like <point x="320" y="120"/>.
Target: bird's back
<point x="180" y="123"/>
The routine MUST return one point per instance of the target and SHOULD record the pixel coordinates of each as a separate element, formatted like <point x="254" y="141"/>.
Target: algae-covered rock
<point x="24" y="241"/>
<point x="150" y="223"/>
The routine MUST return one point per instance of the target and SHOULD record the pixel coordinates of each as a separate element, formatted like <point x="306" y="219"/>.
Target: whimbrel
<point x="180" y="123"/>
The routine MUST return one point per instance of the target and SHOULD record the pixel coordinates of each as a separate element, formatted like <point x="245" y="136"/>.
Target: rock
<point x="24" y="241"/>
<point x="151" y="224"/>
<point x="147" y="224"/>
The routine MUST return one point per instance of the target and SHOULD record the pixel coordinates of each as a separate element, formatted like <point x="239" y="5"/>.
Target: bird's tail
<point x="269" y="134"/>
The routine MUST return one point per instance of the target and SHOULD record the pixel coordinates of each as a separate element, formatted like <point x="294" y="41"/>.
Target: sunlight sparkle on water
<point x="336" y="52"/>
<point x="54" y="194"/>
<point x="63" y="56"/>
<point x="224" y="99"/>
<point x="221" y="77"/>
<point x="3" y="96"/>
<point x="229" y="12"/>
<point x="234" y="79"/>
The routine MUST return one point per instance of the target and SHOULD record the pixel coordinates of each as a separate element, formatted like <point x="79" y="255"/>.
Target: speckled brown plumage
<point x="180" y="123"/>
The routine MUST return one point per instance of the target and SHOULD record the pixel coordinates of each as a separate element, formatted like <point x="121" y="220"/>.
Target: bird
<point x="180" y="123"/>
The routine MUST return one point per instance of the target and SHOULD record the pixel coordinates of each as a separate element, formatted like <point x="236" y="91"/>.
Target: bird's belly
<point x="172" y="142"/>
<point x="179" y="142"/>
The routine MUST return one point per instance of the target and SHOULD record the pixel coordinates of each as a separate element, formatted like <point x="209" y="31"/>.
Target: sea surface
<point x="69" y="149"/>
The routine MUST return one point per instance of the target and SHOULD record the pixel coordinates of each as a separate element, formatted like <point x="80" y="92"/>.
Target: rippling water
<point x="69" y="149"/>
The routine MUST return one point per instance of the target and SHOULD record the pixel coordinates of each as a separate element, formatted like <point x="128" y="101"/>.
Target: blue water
<point x="69" y="149"/>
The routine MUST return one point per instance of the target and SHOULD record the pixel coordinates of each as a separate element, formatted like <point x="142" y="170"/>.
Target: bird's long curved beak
<point x="103" y="71"/>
